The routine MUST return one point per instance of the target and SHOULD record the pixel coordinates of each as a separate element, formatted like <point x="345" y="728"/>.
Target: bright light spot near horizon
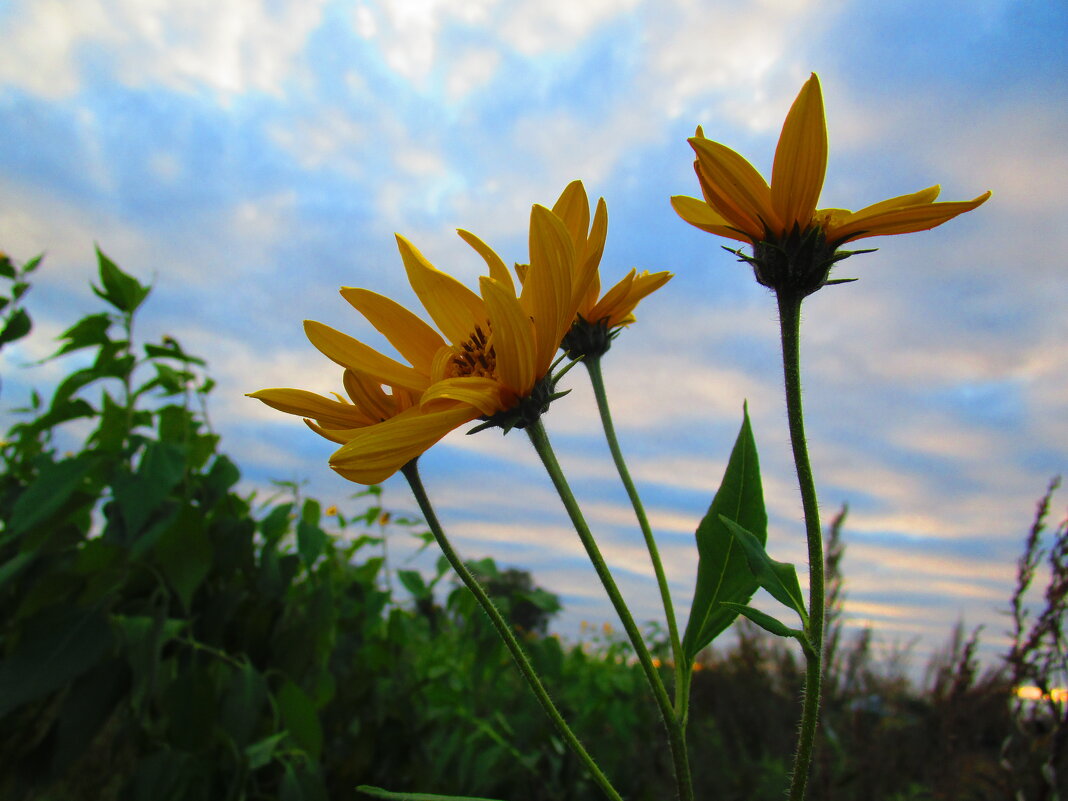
<point x="1032" y="693"/>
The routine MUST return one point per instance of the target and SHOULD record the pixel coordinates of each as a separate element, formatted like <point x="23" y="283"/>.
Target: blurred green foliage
<point x="164" y="637"/>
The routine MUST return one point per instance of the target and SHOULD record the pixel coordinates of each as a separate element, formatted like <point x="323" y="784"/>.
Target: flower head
<point x="794" y="243"/>
<point x="491" y="359"/>
<point x="597" y="318"/>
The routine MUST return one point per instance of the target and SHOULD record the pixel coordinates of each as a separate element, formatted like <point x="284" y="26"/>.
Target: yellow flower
<point x="490" y="361"/>
<point x="597" y="319"/>
<point x="339" y="420"/>
<point x="794" y="242"/>
<point x="616" y="307"/>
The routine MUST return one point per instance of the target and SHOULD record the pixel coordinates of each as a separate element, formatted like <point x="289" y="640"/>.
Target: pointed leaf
<point x="301" y="719"/>
<point x="121" y="290"/>
<point x="765" y="621"/>
<point x="722" y="572"/>
<point x="778" y="578"/>
<point x="311" y="539"/>
<point x="17" y="326"/>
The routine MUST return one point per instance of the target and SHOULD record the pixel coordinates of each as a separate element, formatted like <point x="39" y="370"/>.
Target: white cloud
<point x="229" y="48"/>
<point x="330" y="140"/>
<point x="557" y="25"/>
<point x="409" y="34"/>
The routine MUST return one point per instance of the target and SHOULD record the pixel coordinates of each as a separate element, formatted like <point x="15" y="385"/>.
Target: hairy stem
<point x="411" y="473"/>
<point x="676" y="736"/>
<point x="593" y="366"/>
<point x="790" y="326"/>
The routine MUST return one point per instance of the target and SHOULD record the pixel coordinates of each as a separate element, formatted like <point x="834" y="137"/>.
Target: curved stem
<point x="790" y="326"/>
<point x="676" y="736"/>
<point x="593" y="366"/>
<point x="411" y="473"/>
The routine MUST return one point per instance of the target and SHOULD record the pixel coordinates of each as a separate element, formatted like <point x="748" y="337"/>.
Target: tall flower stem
<point x="411" y="473"/>
<point x="790" y="326"/>
<point x="676" y="737"/>
<point x="593" y="366"/>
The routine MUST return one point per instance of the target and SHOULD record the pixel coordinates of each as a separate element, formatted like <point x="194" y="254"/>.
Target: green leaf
<point x="765" y="621"/>
<point x="244" y="699"/>
<point x="170" y="349"/>
<point x="261" y="752"/>
<point x="722" y="572"/>
<point x="162" y="467"/>
<point x="300" y="784"/>
<point x="16" y="327"/>
<point x="142" y="639"/>
<point x="413" y="582"/>
<point x="301" y="719"/>
<point x="184" y="553"/>
<point x="32" y="264"/>
<point x="57" y="647"/>
<point x="120" y="289"/>
<point x="778" y="578"/>
<point x="377" y="792"/>
<point x="90" y="331"/>
<point x="276" y="523"/>
<point x="311" y="539"/>
<point x="44" y="497"/>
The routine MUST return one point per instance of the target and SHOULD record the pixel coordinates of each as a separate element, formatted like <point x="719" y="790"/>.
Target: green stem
<point x="411" y="473"/>
<point x="593" y="366"/>
<point x="790" y="325"/>
<point x="676" y="736"/>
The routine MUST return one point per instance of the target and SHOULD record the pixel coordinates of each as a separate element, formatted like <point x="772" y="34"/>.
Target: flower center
<point x="475" y="357"/>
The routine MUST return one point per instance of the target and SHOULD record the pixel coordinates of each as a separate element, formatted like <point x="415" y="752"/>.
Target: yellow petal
<point x="740" y="193"/>
<point x="353" y="354"/>
<point x="606" y="306"/>
<point x="414" y="339"/>
<point x="513" y="336"/>
<point x="927" y="195"/>
<point x="308" y="404"/>
<point x="338" y="435"/>
<point x="483" y="394"/>
<point x="547" y="286"/>
<point x="369" y="396"/>
<point x="800" y="159"/>
<point x="454" y="308"/>
<point x="377" y="452"/>
<point x="618" y="303"/>
<point x="701" y="215"/>
<point x="903" y="220"/>
<point x="573" y="209"/>
<point x="497" y="270"/>
<point x="587" y="282"/>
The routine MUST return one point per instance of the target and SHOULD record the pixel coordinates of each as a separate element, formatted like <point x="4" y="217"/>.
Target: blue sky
<point x="250" y="157"/>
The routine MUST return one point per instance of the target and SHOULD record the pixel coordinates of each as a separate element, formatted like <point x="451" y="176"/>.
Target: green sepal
<point x="722" y="571"/>
<point x="778" y="578"/>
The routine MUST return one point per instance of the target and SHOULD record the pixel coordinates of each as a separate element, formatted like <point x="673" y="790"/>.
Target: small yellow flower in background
<point x="490" y="361"/>
<point x="794" y="243"/>
<point x="331" y="511"/>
